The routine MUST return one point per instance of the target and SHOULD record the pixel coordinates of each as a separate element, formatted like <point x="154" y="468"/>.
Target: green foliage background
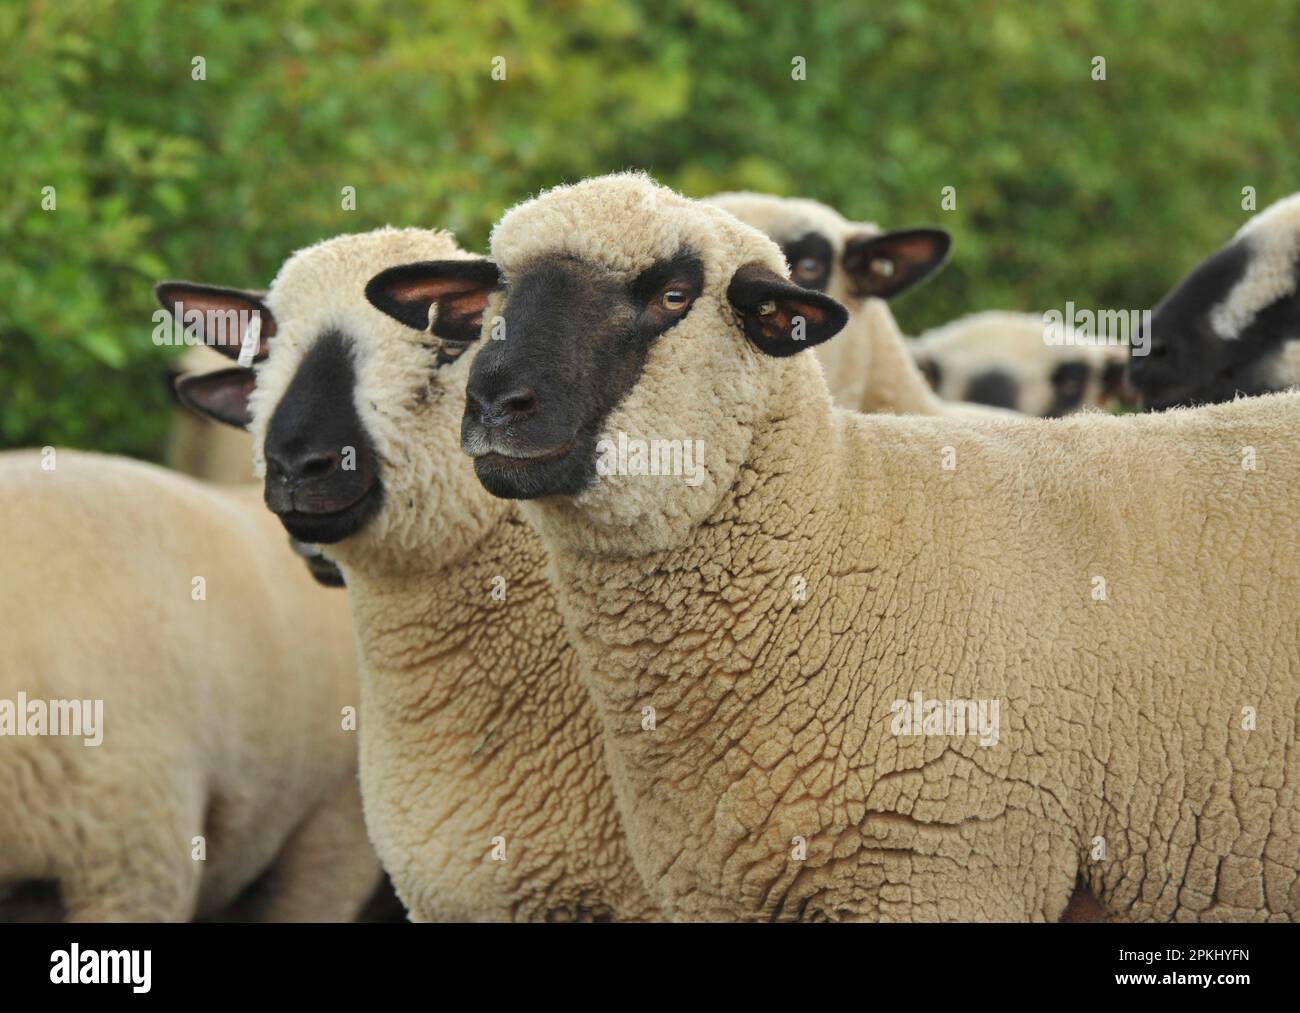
<point x="1103" y="192"/>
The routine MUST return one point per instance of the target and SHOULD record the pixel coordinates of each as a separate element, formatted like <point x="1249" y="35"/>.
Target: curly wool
<point x="482" y="764"/>
<point x="223" y="715"/>
<point x="834" y="565"/>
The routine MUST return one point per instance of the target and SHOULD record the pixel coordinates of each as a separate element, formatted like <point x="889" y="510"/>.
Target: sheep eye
<point x="808" y="268"/>
<point x="675" y="299"/>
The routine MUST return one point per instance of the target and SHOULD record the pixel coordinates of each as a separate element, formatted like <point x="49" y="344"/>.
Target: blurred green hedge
<point x="1103" y="192"/>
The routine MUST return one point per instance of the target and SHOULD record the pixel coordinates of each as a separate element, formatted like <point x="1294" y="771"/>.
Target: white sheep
<point x="869" y="367"/>
<point x="221" y="771"/>
<point x="888" y="667"/>
<point x="482" y="764"/>
<point x="1232" y="326"/>
<point x="1003" y="359"/>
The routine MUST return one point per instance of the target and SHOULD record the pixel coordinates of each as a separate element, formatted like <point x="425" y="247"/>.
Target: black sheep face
<point x="1220" y="333"/>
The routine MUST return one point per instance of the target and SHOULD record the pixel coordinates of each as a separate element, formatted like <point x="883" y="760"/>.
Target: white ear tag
<point x="252" y="340"/>
<point x="883" y="267"/>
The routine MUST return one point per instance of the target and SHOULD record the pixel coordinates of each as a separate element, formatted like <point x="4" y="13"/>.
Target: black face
<point x="1112" y="382"/>
<point x="1069" y="383"/>
<point x="994" y="388"/>
<point x="321" y="471"/>
<point x="576" y="343"/>
<point x="1188" y="362"/>
<point x="932" y="372"/>
<point x="810" y="259"/>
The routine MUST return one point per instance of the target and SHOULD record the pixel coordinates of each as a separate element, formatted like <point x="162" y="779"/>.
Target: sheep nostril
<point x="317" y="466"/>
<point x="502" y="409"/>
<point x="520" y="402"/>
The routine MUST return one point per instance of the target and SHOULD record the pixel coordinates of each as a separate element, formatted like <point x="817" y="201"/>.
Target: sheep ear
<point x="885" y="265"/>
<point x="459" y="288"/>
<point x="219" y="317"/>
<point x="222" y="395"/>
<point x="779" y="317"/>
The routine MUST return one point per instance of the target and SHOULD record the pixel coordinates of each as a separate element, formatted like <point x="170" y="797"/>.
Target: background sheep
<point x="482" y="759"/>
<point x="776" y="614"/>
<point x="197" y="445"/>
<point x="1232" y="326"/>
<point x="858" y="265"/>
<point x="1000" y="359"/>
<point x="223" y="671"/>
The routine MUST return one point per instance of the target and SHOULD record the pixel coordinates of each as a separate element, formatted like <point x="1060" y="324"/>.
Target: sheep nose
<point x="496" y="410"/>
<point x="309" y="464"/>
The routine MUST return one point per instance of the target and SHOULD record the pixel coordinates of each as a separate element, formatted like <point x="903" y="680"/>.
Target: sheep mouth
<point x="518" y="460"/>
<point x="325" y="527"/>
<point x="556" y="471"/>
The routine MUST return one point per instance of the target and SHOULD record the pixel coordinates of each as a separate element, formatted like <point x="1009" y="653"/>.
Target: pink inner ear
<point x="809" y="311"/>
<point x="916" y="252"/>
<point x="417" y="291"/>
<point x="220" y="302"/>
<point x="469" y="305"/>
<point x="439" y="290"/>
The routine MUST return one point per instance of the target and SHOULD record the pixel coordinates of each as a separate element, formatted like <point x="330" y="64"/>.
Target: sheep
<point x="196" y="446"/>
<point x="869" y="368"/>
<point x="1232" y="326"/>
<point x="1002" y="359"/>
<point x="219" y="774"/>
<point x="482" y="765"/>
<point x="771" y="642"/>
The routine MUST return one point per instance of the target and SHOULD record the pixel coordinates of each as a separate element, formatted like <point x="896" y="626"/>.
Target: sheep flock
<point x="641" y="568"/>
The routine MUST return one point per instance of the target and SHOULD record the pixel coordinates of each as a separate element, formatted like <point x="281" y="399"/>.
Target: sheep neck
<point x="868" y="367"/>
<point x="446" y="643"/>
<point x="476" y="728"/>
<point x="741" y="721"/>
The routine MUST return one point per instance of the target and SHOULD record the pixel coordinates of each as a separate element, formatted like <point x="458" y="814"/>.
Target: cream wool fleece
<point x="222" y="715"/>
<point x="1123" y="588"/>
<point x="482" y="767"/>
<point x="867" y="366"/>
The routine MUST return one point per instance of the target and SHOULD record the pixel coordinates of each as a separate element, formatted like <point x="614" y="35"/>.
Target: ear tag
<point x="766" y="309"/>
<point x="433" y="310"/>
<point x="883" y="267"/>
<point x="252" y="340"/>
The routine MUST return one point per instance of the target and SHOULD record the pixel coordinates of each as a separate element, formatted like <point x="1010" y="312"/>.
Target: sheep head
<point x="847" y="260"/>
<point x="355" y="415"/>
<point x="1223" y="330"/>
<point x="624" y="314"/>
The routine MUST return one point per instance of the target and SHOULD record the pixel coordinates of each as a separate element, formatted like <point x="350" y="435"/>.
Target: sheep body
<point x="222" y="713"/>
<point x="1146" y="680"/>
<point x="482" y="762"/>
